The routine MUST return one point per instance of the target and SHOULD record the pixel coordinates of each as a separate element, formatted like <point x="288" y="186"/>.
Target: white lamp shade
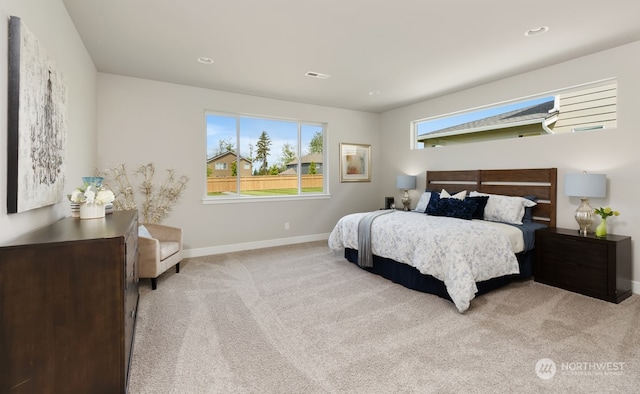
<point x="406" y="182"/>
<point x="585" y="185"/>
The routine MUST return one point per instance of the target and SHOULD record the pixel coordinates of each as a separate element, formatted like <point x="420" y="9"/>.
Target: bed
<point x="453" y="258"/>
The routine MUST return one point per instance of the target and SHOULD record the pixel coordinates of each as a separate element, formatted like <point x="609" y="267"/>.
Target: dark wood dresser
<point x="68" y="303"/>
<point x="597" y="267"/>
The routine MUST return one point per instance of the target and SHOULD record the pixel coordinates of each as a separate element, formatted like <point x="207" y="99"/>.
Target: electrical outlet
<point x="286" y="226"/>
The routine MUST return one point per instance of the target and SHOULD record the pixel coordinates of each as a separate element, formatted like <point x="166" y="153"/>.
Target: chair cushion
<point x="168" y="249"/>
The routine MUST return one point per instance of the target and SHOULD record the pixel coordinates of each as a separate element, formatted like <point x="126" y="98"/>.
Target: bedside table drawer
<point x="566" y="274"/>
<point x="572" y="251"/>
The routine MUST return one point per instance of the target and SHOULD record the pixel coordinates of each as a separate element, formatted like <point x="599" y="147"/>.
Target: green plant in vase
<point x="604" y="213"/>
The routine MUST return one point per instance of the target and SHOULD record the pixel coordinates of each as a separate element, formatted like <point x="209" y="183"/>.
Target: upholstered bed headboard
<point x="539" y="182"/>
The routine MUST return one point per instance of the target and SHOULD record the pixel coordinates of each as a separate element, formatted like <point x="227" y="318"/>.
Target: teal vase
<point x="601" y="230"/>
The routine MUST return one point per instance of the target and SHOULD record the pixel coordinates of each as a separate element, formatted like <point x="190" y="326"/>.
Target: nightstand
<point x="596" y="267"/>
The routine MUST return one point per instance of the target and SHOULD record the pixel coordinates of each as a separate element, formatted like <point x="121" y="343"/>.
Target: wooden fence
<point x="262" y="182"/>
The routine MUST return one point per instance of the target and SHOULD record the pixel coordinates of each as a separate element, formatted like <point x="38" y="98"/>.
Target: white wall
<point x="141" y="121"/>
<point x="612" y="152"/>
<point x="49" y="22"/>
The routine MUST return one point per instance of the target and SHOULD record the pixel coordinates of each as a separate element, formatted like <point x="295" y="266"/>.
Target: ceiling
<point x="405" y="50"/>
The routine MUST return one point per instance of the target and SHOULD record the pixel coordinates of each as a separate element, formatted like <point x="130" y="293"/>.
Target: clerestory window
<point x="581" y="108"/>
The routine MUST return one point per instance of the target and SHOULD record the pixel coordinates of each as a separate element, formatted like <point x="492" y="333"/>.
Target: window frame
<point x="239" y="197"/>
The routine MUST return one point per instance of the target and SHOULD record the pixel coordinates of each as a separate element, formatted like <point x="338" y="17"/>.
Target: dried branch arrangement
<point x="157" y="199"/>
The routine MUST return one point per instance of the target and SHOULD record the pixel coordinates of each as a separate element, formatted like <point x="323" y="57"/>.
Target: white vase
<point x="91" y="211"/>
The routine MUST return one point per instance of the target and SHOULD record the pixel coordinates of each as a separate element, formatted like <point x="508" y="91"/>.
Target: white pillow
<point x="144" y="232"/>
<point x="505" y="209"/>
<point x="460" y="195"/>
<point x="423" y="202"/>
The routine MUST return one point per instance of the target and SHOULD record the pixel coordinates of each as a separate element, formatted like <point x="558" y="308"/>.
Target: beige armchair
<point x="160" y="248"/>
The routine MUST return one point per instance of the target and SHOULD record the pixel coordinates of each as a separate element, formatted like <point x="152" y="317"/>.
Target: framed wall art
<point x="355" y="162"/>
<point x="36" y="123"/>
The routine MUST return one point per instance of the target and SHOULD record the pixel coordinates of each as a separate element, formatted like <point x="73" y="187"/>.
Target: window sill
<point x="253" y="199"/>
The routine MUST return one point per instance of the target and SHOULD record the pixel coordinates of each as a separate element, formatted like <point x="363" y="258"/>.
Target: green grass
<point x="274" y="192"/>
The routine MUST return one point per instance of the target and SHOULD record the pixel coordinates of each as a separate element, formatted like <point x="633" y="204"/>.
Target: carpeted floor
<point x="301" y="319"/>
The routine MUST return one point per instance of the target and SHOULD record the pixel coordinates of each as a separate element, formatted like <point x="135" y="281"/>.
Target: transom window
<point x="582" y="108"/>
<point x="252" y="157"/>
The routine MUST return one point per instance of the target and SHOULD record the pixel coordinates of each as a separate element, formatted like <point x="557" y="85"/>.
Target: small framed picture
<point x="389" y="203"/>
<point x="355" y="162"/>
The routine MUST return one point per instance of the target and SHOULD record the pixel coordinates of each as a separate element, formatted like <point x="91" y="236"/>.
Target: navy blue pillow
<point x="481" y="202"/>
<point x="453" y="208"/>
<point x="528" y="211"/>
<point x="433" y="202"/>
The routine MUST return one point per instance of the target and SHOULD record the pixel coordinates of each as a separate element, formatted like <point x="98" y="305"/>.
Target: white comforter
<point x="457" y="252"/>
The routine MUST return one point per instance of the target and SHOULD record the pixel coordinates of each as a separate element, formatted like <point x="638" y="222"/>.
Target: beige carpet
<point x="301" y="319"/>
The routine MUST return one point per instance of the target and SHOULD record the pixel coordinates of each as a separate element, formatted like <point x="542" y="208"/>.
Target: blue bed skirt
<point x="411" y="278"/>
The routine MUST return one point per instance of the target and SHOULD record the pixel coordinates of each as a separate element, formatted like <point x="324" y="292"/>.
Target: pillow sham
<point x="423" y="202"/>
<point x="506" y="209"/>
<point x="445" y="195"/>
<point x="452" y="207"/>
<point x="481" y="202"/>
<point x="460" y="195"/>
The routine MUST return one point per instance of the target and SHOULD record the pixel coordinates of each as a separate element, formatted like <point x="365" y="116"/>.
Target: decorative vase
<point x="91" y="211"/>
<point x="75" y="210"/>
<point x="601" y="230"/>
<point x="95" y="181"/>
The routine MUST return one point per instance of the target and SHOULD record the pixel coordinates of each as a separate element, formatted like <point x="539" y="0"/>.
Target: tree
<point x="274" y="169"/>
<point x="234" y="168"/>
<point x="288" y="155"/>
<point x="312" y="168"/>
<point x="224" y="146"/>
<point x="262" y="152"/>
<point x="315" y="145"/>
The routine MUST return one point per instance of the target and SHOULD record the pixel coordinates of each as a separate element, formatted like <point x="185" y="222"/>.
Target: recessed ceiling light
<point x="205" y="60"/>
<point x="374" y="93"/>
<point x="536" y="31"/>
<point x="314" y="74"/>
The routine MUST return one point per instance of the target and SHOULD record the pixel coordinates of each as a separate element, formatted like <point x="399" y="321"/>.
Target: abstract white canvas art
<point x="37" y="123"/>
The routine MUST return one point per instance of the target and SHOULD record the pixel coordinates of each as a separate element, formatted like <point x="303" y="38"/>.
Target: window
<point x="252" y="157"/>
<point x="582" y="108"/>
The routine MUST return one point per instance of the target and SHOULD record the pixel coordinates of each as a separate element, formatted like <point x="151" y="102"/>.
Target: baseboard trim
<point x="253" y="245"/>
<point x="635" y="287"/>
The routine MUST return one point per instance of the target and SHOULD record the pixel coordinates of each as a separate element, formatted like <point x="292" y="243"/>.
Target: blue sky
<point x="220" y="127"/>
<point x="442" y="122"/>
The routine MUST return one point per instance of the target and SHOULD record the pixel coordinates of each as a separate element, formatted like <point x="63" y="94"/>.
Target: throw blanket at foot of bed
<point x="458" y="252"/>
<point x="365" y="257"/>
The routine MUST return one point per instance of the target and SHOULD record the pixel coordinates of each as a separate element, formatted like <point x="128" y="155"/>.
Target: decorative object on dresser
<point x="585" y="264"/>
<point x="584" y="186"/>
<point x="158" y="200"/>
<point x="160" y="249"/>
<point x="91" y="198"/>
<point x="69" y="298"/>
<point x="604" y="213"/>
<point x="406" y="183"/>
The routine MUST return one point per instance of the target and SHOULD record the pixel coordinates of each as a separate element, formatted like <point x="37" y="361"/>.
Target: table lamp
<point x="406" y="182"/>
<point x="584" y="186"/>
